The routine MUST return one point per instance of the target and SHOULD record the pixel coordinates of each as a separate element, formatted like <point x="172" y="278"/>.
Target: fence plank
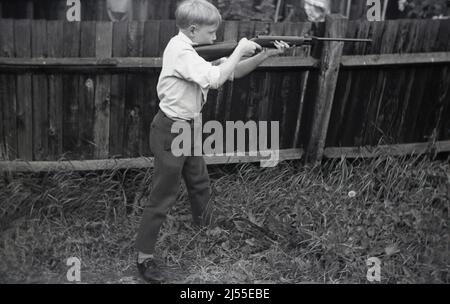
<point x="147" y="84"/>
<point x="102" y="92"/>
<point x="8" y="93"/>
<point x="7" y="38"/>
<point x="71" y="48"/>
<point x="347" y="82"/>
<point x="441" y="81"/>
<point x="135" y="38"/>
<point x="444" y="132"/>
<point x="303" y="52"/>
<point x="151" y="101"/>
<point x="357" y="90"/>
<point x="118" y="91"/>
<point x="132" y="115"/>
<point x="151" y="38"/>
<point x="101" y="14"/>
<point x="230" y="31"/>
<point x="425" y="38"/>
<point x="443" y="44"/>
<point x="225" y="93"/>
<point x="87" y="84"/>
<point x="140" y="10"/>
<point x="22" y="39"/>
<point x="3" y="146"/>
<point x="244" y="88"/>
<point x="142" y="83"/>
<point x="299" y="81"/>
<point x="278" y="88"/>
<point x="331" y="53"/>
<point x="134" y="94"/>
<point x="256" y="78"/>
<point x="55" y="91"/>
<point x="391" y="87"/>
<point x="377" y="94"/>
<point x="167" y="29"/>
<point x="88" y="38"/>
<point x="242" y="92"/>
<point x="8" y="106"/>
<point x="365" y="103"/>
<point x="40" y="92"/>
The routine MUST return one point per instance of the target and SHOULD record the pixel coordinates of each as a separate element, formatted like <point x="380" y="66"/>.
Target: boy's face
<point x="203" y="34"/>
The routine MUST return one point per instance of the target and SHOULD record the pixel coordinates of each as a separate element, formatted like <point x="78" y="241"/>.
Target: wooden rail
<point x="392" y="150"/>
<point x="395" y="59"/>
<point x="231" y="158"/>
<point x="133" y="63"/>
<point x="140" y="162"/>
<point x="129" y="63"/>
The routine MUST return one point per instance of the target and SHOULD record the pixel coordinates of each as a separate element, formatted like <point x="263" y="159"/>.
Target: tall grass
<point x="288" y="224"/>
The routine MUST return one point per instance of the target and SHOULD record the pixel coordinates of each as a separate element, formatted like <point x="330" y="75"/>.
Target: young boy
<point x="182" y="89"/>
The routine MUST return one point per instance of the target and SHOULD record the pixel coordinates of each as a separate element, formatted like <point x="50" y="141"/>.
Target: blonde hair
<point x="199" y="12"/>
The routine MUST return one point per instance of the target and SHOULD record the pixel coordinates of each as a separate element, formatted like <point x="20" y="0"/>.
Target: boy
<point x="182" y="89"/>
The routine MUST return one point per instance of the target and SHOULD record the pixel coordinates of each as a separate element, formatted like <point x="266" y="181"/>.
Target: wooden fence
<point x="87" y="90"/>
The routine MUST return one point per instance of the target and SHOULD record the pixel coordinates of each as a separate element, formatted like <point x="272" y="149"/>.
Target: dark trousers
<point x="168" y="170"/>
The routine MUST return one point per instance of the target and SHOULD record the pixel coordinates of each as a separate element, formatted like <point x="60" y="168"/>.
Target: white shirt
<point x="185" y="79"/>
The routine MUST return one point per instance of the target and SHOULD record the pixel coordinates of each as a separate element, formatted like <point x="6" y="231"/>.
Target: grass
<point x="288" y="224"/>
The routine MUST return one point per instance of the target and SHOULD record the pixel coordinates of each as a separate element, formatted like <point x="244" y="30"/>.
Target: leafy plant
<point x="424" y="8"/>
<point x="246" y="10"/>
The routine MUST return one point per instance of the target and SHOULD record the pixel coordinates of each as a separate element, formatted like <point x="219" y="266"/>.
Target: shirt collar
<point x="185" y="38"/>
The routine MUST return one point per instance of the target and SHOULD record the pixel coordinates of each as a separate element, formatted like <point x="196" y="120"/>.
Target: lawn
<point x="288" y="224"/>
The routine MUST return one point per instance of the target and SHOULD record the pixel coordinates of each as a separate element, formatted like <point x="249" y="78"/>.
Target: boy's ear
<point x="192" y="28"/>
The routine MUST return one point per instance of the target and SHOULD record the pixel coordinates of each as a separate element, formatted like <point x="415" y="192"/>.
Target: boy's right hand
<point x="247" y="48"/>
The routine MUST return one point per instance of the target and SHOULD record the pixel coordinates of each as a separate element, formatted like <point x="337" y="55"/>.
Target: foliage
<point x="424" y="8"/>
<point x="246" y="10"/>
<point x="289" y="224"/>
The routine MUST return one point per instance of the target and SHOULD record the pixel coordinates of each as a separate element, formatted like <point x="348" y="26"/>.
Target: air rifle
<point x="211" y="52"/>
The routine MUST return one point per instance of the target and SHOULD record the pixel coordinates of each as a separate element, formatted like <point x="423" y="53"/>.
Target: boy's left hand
<point x="281" y="47"/>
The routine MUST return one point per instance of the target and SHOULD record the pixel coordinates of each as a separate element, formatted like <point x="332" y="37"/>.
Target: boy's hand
<point x="247" y="47"/>
<point x="281" y="47"/>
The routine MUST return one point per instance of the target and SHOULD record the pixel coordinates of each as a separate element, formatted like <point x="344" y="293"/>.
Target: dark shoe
<point x="150" y="271"/>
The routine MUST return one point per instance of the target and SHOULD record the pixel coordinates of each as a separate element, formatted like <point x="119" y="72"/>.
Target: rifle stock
<point x="218" y="50"/>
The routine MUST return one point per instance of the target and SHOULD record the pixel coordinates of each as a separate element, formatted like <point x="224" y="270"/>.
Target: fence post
<point x="335" y="26"/>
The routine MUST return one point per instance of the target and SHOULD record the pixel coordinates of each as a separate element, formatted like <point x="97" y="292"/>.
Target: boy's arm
<point x="244" y="48"/>
<point x="248" y="65"/>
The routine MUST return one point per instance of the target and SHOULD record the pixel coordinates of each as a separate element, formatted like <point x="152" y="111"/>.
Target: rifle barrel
<point x="341" y="39"/>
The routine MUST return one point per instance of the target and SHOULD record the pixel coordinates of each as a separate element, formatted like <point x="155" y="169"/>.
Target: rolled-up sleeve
<point x="192" y="67"/>
<point x="219" y="62"/>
